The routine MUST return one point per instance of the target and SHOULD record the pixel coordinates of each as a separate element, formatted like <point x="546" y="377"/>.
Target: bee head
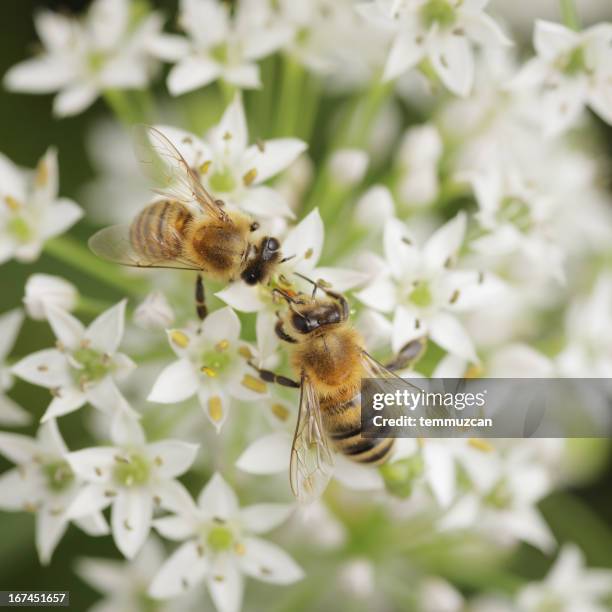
<point x="258" y="268"/>
<point x="307" y="318"/>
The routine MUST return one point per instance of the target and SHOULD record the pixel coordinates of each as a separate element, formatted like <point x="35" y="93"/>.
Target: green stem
<point x="228" y="91"/>
<point x="72" y="252"/>
<point x="130" y="106"/>
<point x="569" y="14"/>
<point x="91" y="306"/>
<point x="290" y="97"/>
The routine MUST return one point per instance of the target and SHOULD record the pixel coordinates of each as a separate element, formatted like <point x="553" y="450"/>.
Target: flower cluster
<point x="471" y="215"/>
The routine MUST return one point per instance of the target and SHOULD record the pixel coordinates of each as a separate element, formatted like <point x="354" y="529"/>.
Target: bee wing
<point x="172" y="176"/>
<point x="375" y="369"/>
<point x="113" y="244"/>
<point x="312" y="459"/>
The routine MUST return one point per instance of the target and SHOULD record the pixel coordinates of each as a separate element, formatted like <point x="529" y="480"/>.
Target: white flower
<point x="419" y="155"/>
<point x="124" y="584"/>
<point x="374" y="207"/>
<point x="502" y="504"/>
<point x="440" y="31"/>
<point x="212" y="364"/>
<point x="11" y="414"/>
<point x="302" y="248"/>
<point x="30" y="211"/>
<point x="234" y="170"/>
<point x="154" y="312"/>
<point x="82" y="58"/>
<point x="83" y="366"/>
<point x="43" y="483"/>
<point x="569" y="586"/>
<point x="220" y="546"/>
<point x="423" y="291"/>
<point x="133" y="477"/>
<point x="571" y="70"/>
<point x="516" y="219"/>
<point x="42" y="290"/>
<point x="348" y="166"/>
<point x="220" y="46"/>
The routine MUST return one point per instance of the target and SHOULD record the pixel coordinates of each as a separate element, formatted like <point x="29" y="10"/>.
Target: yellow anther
<point x="481" y="445"/>
<point x="240" y="549"/>
<point x="249" y="176"/>
<point x="205" y="167"/>
<point x="261" y="145"/>
<point x="227" y="136"/>
<point x="222" y="346"/>
<point x="179" y="338"/>
<point x="473" y="371"/>
<point x="280" y="412"/>
<point x="215" y="408"/>
<point x="254" y="384"/>
<point x="12" y="203"/>
<point x="454" y="297"/>
<point x="209" y="371"/>
<point x="42" y="173"/>
<point x="308" y="254"/>
<point x="245" y="351"/>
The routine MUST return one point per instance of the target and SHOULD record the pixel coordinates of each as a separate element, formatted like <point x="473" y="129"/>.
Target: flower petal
<point x="223" y="324"/>
<point x="93" y="464"/>
<point x="50" y="528"/>
<point x="18" y="448"/>
<point x="172" y="457"/>
<point x="131" y="520"/>
<point x="266" y="202"/>
<point x="241" y="296"/>
<point x="261" y="518"/>
<point x="10" y="324"/>
<point x="175" y="527"/>
<point x="340" y="279"/>
<point x="453" y="60"/>
<point x="218" y="498"/>
<point x="445" y="242"/>
<point x="406" y="52"/>
<point x="176" y="383"/>
<point x="271" y="157"/>
<point x="106" y="331"/>
<point x="305" y="242"/>
<point x="90" y="499"/>
<point x="407" y="326"/>
<point x="47" y="368"/>
<point x="184" y="568"/>
<point x="66" y="400"/>
<point x="60" y="216"/>
<point x="357" y="477"/>
<point x="269" y="563"/>
<point x="267" y="455"/>
<point x="551" y="39"/>
<point x="191" y="73"/>
<point x="74" y="99"/>
<point x="446" y="331"/>
<point x="225" y="585"/>
<point x="38" y="75"/>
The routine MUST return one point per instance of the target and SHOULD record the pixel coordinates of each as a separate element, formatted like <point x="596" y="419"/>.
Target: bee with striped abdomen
<point x="329" y="357"/>
<point x="189" y="229"/>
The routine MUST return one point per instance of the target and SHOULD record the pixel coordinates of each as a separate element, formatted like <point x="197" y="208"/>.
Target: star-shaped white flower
<point x="84" y="365"/>
<point x="516" y="218"/>
<point x="43" y="483"/>
<point x="219" y="45"/>
<point x="106" y="49"/>
<point x="212" y="364"/>
<point x="301" y="248"/>
<point x="569" y="586"/>
<point x="133" y="476"/>
<point x="572" y="70"/>
<point x="124" y="584"/>
<point x="234" y="170"/>
<point x="502" y="503"/>
<point x="441" y="32"/>
<point x="30" y="210"/>
<point x="11" y="414"/>
<point x="419" y="286"/>
<point x="220" y="547"/>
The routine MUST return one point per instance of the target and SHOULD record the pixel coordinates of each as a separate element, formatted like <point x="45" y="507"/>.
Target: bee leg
<point x="200" y="298"/>
<point x="408" y="355"/>
<point x="272" y="377"/>
<point x="282" y="334"/>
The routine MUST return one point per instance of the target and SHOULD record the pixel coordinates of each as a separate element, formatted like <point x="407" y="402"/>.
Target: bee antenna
<point x="313" y="283"/>
<point x="284" y="259"/>
<point x="284" y="295"/>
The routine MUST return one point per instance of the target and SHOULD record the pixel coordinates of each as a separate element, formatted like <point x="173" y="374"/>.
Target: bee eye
<point x="250" y="277"/>
<point x="273" y="244"/>
<point x="300" y="323"/>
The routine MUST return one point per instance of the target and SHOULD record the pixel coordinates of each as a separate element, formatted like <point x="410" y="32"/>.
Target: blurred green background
<point x="582" y="515"/>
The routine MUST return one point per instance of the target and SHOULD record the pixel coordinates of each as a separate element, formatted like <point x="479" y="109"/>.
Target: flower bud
<point x="348" y="166"/>
<point x="154" y="312"/>
<point x="374" y="207"/>
<point x="43" y="290"/>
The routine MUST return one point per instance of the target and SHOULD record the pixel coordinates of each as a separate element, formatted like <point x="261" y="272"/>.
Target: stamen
<point x="12" y="203"/>
<point x="179" y="338"/>
<point x="249" y="177"/>
<point x="245" y="352"/>
<point x="254" y="384"/>
<point x="204" y="167"/>
<point x="208" y="371"/>
<point x="215" y="408"/>
<point x="481" y="445"/>
<point x="222" y="346"/>
<point x="280" y="412"/>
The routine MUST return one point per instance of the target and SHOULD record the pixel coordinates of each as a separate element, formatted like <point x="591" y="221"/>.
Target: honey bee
<point x="189" y="229"/>
<point x="330" y="359"/>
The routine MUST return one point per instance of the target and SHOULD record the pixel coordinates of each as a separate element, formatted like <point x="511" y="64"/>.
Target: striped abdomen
<point x="343" y="426"/>
<point x="158" y="231"/>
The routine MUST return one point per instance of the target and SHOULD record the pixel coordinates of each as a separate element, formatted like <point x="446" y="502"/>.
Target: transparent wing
<point x="172" y="176"/>
<point x="374" y="369"/>
<point x="312" y="460"/>
<point x="114" y="244"/>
